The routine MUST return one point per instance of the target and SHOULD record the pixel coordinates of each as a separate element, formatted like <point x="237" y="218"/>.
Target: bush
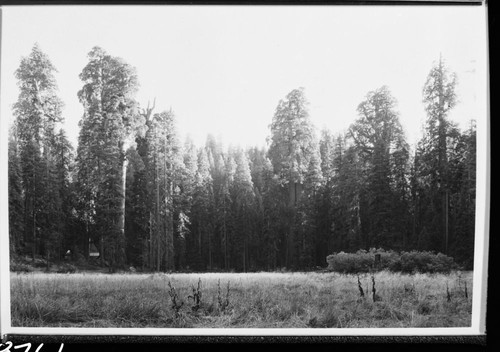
<point x="20" y="267"/>
<point x="425" y="262"/>
<point x="361" y="261"/>
<point x="406" y="262"/>
<point x="66" y="268"/>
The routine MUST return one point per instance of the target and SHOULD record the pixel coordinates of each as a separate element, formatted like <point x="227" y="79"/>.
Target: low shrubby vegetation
<point x="364" y="261"/>
<point x="236" y="300"/>
<point x="26" y="264"/>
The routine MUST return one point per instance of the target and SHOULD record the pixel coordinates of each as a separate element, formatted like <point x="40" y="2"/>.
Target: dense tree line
<point x="147" y="199"/>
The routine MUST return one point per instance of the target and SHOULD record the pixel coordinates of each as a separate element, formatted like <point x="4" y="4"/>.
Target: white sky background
<point x="223" y="69"/>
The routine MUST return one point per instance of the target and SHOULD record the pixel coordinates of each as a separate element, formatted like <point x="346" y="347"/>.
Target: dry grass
<point x="256" y="300"/>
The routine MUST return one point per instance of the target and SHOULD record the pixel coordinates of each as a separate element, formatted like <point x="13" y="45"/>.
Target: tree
<point x="439" y="98"/>
<point x="379" y="139"/>
<point x="38" y="112"/>
<point x="58" y="207"/>
<point x="291" y="144"/>
<point x="148" y="201"/>
<point x="201" y="224"/>
<point x="227" y="206"/>
<point x="170" y="164"/>
<point x="462" y="188"/>
<point x="307" y="219"/>
<point x="108" y="129"/>
<point x="243" y="202"/>
<point x="137" y="224"/>
<point x="187" y="186"/>
<point x="16" y="210"/>
<point x="291" y="140"/>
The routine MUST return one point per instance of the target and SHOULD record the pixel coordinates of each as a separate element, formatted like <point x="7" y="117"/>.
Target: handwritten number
<point x="9" y="343"/>
<point x="27" y="345"/>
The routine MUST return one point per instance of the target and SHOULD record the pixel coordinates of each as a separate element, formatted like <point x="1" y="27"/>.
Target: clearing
<point x="241" y="300"/>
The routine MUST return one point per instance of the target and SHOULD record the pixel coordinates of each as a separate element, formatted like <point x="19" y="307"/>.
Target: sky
<point x="223" y="69"/>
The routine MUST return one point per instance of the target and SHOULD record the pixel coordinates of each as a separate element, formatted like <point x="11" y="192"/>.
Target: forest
<point x="144" y="198"/>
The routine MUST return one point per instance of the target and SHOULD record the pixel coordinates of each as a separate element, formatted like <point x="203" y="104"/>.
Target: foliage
<point x="143" y="198"/>
<point x="427" y="262"/>
<point x="66" y="269"/>
<point x="108" y="128"/>
<point x="20" y="267"/>
<point x="292" y="135"/>
<point x="364" y="261"/>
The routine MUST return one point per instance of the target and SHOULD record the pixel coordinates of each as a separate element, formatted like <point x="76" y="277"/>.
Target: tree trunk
<point x="150" y="243"/>
<point x="86" y="244"/>
<point x="34" y="226"/>
<point x="48" y="260"/>
<point x="244" y="256"/>
<point x="119" y="251"/>
<point x="225" y="239"/>
<point x="169" y="214"/>
<point x="446" y="238"/>
<point x="33" y="211"/>
<point x="121" y="216"/>
<point x="101" y="250"/>
<point x="158" y="254"/>
<point x="157" y="227"/>
<point x="209" y="251"/>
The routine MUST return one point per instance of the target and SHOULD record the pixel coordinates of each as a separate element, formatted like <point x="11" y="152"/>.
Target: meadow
<point x="241" y="300"/>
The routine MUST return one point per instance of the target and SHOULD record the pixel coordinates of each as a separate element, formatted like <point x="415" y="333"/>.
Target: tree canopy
<point x="142" y="197"/>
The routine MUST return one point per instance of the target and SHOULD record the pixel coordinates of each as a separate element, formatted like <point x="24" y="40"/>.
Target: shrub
<point x="425" y="262"/>
<point x="406" y="262"/>
<point x="361" y="261"/>
<point x="20" y="267"/>
<point x="66" y="269"/>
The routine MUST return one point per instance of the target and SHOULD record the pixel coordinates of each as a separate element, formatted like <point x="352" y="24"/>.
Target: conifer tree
<point x="16" y="210"/>
<point x="379" y="139"/>
<point x="439" y="98"/>
<point x="108" y="129"/>
<point x="38" y="113"/>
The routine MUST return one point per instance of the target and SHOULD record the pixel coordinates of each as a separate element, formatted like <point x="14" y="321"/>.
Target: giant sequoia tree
<point x="108" y="128"/>
<point x="292" y="141"/>
<point x="291" y="146"/>
<point x="379" y="141"/>
<point x="38" y="116"/>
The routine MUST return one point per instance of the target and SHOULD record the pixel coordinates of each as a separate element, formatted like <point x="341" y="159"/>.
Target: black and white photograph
<point x="237" y="169"/>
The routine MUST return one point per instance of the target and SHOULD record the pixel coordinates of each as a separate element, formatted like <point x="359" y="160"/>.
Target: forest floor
<point x="253" y="300"/>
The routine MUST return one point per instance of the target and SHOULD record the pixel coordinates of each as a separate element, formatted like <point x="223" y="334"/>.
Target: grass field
<point x="255" y="300"/>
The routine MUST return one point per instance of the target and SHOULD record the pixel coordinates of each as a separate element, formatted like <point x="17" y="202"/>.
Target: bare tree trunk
<point x="158" y="257"/>
<point x="34" y="228"/>
<point x="101" y="250"/>
<point x="446" y="223"/>
<point x="144" y="251"/>
<point x="158" y="242"/>
<point x="148" y="246"/>
<point x="199" y="244"/>
<point x="150" y="243"/>
<point x="121" y="217"/>
<point x="86" y="244"/>
<point x="244" y="255"/>
<point x="33" y="211"/>
<point x="209" y="250"/>
<point x="225" y="233"/>
<point x="169" y="214"/>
